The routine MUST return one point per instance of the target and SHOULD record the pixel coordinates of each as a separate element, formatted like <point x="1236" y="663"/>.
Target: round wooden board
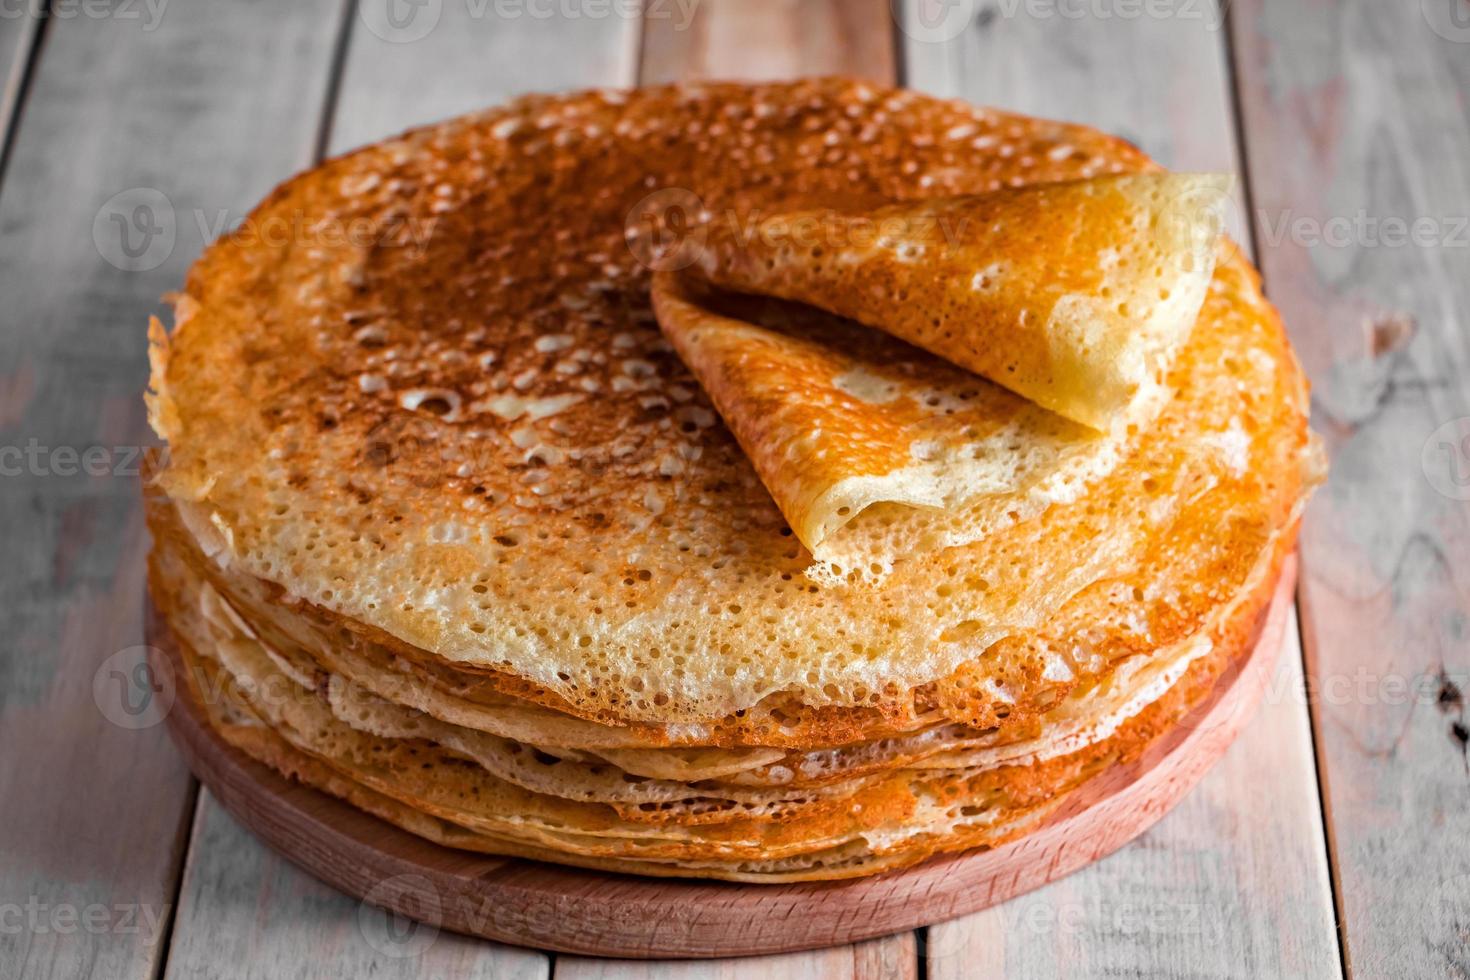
<point x="527" y="903"/>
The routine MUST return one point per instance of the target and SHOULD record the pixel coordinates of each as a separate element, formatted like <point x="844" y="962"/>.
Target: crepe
<point x="1074" y="296"/>
<point x="444" y="493"/>
<point x="510" y="796"/>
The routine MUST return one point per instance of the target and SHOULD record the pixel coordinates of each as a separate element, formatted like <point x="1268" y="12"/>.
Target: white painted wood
<point x="890" y="958"/>
<point x="442" y="59"/>
<point x="1236" y="879"/>
<point x="93" y="813"/>
<point x="245" y="911"/>
<point x="1356" y="118"/>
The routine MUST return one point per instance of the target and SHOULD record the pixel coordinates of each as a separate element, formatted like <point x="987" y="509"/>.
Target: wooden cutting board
<point x="601" y="914"/>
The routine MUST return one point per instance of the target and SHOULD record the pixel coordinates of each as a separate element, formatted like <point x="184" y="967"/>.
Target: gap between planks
<point x="20" y="42"/>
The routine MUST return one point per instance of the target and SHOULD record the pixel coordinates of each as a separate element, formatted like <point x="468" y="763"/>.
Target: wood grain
<point x="574" y="910"/>
<point x="889" y="958"/>
<point x="1356" y="112"/>
<point x="471" y="55"/>
<point x="759" y="40"/>
<point x="244" y="910"/>
<point x="1236" y="879"/>
<point x="19" y="31"/>
<point x="93" y="815"/>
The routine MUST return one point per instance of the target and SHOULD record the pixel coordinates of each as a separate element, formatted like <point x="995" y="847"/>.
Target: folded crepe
<point x="1021" y="337"/>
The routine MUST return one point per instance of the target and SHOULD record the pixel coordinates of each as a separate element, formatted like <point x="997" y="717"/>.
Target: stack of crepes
<point x="945" y="459"/>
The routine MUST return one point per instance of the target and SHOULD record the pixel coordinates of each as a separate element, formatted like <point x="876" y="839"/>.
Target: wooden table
<point x="1335" y="836"/>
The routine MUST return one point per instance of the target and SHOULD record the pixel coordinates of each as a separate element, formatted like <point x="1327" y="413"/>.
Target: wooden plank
<point x="889" y="958"/>
<point x="759" y="40"/>
<point x="1355" y="122"/>
<point x="1161" y="83"/>
<point x="439" y="61"/>
<point x="245" y="911"/>
<point x="94" y="802"/>
<point x="1235" y="880"/>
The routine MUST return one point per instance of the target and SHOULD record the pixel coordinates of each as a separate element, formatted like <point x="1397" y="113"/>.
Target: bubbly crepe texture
<point x="1073" y="294"/>
<point x="463" y="787"/>
<point x="448" y="492"/>
<point x="1076" y="296"/>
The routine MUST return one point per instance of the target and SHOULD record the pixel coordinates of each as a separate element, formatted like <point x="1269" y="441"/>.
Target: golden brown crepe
<point x="1075" y="295"/>
<point x="1070" y="299"/>
<point x="448" y="528"/>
